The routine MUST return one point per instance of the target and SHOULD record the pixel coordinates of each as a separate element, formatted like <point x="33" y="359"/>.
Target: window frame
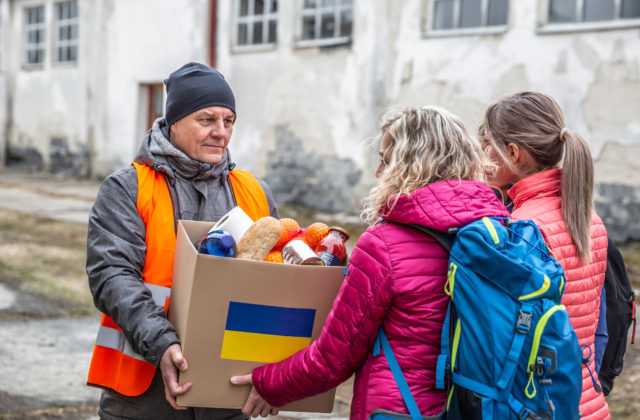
<point x="67" y="43"/>
<point x="546" y="27"/>
<point x="317" y="13"/>
<point x="429" y="32"/>
<point x="27" y="29"/>
<point x="251" y="18"/>
<point x="155" y="92"/>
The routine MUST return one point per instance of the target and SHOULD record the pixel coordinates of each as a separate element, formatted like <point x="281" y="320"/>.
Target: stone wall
<point x="326" y="183"/>
<point x="619" y="207"/>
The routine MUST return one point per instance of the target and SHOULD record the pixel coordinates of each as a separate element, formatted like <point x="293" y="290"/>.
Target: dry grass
<point x="46" y="257"/>
<point x="631" y="254"/>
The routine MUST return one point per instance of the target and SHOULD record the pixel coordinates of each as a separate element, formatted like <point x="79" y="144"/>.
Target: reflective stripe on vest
<point x="114" y="338"/>
<point x="115" y="365"/>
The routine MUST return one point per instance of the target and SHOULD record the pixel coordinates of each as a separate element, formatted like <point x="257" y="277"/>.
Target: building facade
<point x="81" y="81"/>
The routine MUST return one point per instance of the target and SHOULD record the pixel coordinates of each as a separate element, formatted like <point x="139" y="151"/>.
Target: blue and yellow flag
<point x="262" y="333"/>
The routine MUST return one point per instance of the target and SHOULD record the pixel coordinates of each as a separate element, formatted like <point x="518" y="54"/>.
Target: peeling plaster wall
<point x="330" y="99"/>
<point x="326" y="98"/>
<point x="44" y="97"/>
<point x="144" y="41"/>
<point x="89" y="112"/>
<point x="320" y="105"/>
<point x="594" y="75"/>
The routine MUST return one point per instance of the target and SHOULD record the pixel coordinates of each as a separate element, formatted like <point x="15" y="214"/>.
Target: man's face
<point x="204" y="135"/>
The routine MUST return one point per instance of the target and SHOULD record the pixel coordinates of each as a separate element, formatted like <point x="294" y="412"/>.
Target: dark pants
<point x="152" y="405"/>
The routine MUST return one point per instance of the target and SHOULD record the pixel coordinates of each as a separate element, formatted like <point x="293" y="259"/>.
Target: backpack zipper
<point x="537" y="335"/>
<point x="540" y="291"/>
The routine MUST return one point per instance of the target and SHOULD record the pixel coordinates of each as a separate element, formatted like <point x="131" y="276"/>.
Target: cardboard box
<point x="218" y="305"/>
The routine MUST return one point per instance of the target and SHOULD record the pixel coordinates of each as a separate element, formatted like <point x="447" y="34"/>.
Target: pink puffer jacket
<point x="537" y="197"/>
<point x="395" y="279"/>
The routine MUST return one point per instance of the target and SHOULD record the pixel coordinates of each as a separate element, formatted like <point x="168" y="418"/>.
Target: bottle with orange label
<point x="333" y="249"/>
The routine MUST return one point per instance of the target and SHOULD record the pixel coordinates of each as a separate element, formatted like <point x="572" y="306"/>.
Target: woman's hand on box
<point x="255" y="405"/>
<point x="171" y="361"/>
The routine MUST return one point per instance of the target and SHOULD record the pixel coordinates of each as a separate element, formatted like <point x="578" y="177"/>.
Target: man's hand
<point x="255" y="405"/>
<point x="171" y="361"/>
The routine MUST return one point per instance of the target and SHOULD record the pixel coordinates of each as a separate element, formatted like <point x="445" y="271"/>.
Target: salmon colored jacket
<point x="537" y="197"/>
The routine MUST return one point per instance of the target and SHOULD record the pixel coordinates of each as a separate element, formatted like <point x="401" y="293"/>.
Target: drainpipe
<point x="213" y="27"/>
<point x="9" y="74"/>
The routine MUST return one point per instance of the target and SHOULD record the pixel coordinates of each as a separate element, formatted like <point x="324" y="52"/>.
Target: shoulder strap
<point x="444" y="239"/>
<point x="409" y="401"/>
<point x="443" y="368"/>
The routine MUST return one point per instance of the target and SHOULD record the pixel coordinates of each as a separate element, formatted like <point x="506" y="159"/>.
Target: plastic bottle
<point x="332" y="249"/>
<point x="217" y="242"/>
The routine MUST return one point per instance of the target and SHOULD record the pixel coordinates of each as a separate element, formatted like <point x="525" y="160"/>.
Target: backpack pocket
<point x="553" y="368"/>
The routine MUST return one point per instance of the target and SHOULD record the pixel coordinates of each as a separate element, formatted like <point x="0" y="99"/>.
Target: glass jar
<point x="333" y="249"/>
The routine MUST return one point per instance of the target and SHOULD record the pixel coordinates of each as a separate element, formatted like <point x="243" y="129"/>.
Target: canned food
<point x="298" y="252"/>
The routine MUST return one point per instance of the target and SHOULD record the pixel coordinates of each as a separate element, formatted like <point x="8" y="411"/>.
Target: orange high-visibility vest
<point x="114" y="364"/>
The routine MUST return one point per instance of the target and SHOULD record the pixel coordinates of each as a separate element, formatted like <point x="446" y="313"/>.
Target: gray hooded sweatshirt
<point x="116" y="241"/>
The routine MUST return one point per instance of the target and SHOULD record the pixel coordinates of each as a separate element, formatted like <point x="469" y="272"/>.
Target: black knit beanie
<point x="195" y="86"/>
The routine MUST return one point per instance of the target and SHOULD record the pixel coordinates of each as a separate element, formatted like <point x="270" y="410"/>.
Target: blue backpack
<point x="508" y="349"/>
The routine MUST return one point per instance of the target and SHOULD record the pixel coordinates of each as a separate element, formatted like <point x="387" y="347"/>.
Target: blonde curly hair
<point x="427" y="144"/>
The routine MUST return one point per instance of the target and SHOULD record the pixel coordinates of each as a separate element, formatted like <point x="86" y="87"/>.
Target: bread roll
<point x="258" y="240"/>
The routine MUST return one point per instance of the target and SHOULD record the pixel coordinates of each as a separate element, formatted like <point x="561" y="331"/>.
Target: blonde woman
<point x="525" y="134"/>
<point x="430" y="173"/>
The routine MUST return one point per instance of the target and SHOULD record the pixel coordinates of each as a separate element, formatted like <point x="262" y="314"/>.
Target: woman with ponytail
<point x="526" y="136"/>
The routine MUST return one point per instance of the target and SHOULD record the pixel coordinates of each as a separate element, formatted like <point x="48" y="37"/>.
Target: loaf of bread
<point x="258" y="240"/>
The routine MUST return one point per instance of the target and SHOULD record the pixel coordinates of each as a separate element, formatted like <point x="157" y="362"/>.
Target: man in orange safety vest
<point x="182" y="170"/>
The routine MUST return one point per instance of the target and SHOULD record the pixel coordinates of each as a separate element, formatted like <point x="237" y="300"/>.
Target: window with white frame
<point x="66" y="30"/>
<point x="464" y="14"/>
<point x="256" y="22"/>
<point x="34" y="31"/>
<point x="578" y="11"/>
<point x="326" y="21"/>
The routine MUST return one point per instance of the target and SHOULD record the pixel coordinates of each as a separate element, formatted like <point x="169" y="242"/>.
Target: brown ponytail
<point x="535" y="122"/>
<point x="577" y="192"/>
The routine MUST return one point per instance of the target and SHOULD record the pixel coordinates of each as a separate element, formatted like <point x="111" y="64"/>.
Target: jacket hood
<point x="156" y="151"/>
<point x="446" y="204"/>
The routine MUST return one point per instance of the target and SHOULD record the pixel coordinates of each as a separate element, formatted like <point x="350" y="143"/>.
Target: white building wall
<point x="145" y="40"/>
<point x="594" y="75"/>
<point x="49" y="100"/>
<point x="331" y="98"/>
<point x="305" y="113"/>
<point x="325" y="98"/>
<point x="95" y="104"/>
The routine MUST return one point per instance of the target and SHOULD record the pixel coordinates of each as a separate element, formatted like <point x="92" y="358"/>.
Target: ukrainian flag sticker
<point x="262" y="333"/>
